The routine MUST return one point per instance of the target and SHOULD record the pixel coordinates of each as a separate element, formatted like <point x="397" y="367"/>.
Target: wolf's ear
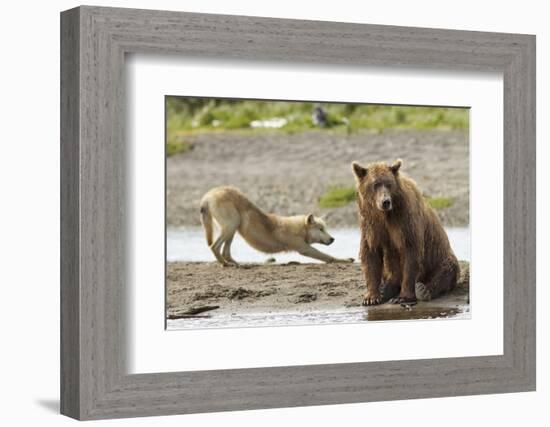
<point x="359" y="171"/>
<point x="396" y="165"/>
<point x="310" y="219"/>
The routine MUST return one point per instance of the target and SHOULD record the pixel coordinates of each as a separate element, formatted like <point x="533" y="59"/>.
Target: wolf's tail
<point x="206" y="220"/>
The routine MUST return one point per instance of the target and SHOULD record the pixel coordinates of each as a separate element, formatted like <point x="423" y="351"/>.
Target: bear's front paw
<point x="372" y="298"/>
<point x="389" y="290"/>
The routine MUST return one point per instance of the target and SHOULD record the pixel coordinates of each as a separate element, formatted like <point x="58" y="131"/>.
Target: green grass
<point x="191" y="115"/>
<point x="176" y="147"/>
<point x="439" y="203"/>
<point x="337" y="197"/>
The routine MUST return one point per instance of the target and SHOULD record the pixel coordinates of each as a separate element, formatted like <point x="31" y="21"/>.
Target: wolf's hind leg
<point x="228" y="219"/>
<point x="215" y="248"/>
<point x="226" y="235"/>
<point x="226" y="253"/>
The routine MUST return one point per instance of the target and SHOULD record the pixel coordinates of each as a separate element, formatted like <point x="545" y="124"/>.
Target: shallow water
<point x="188" y="244"/>
<point x="314" y="317"/>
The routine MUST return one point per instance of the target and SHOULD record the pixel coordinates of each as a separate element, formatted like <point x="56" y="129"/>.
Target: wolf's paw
<point x="346" y="260"/>
<point x="230" y="264"/>
<point x="422" y="292"/>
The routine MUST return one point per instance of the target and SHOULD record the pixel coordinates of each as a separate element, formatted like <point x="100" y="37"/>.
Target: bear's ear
<point x="359" y="171"/>
<point x="310" y="220"/>
<point x="396" y="165"/>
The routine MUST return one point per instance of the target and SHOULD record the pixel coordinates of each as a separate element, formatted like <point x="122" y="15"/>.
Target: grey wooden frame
<point x="94" y="41"/>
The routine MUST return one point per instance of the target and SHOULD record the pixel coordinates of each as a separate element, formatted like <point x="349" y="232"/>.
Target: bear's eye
<point x="377" y="185"/>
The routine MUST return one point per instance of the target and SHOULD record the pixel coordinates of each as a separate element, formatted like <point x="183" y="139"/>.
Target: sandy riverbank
<point x="267" y="288"/>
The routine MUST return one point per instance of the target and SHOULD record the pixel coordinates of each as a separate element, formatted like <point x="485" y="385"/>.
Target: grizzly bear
<point x="405" y="253"/>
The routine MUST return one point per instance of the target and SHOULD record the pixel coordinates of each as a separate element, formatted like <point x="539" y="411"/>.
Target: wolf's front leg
<point x="311" y="252"/>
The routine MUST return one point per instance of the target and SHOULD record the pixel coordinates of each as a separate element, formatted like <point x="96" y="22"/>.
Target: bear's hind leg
<point x="443" y="280"/>
<point x="422" y="292"/>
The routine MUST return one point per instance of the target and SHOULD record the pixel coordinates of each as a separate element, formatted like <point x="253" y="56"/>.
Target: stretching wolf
<point x="232" y="211"/>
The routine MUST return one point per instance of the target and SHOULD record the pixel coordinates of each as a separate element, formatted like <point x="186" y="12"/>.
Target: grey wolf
<point x="232" y="212"/>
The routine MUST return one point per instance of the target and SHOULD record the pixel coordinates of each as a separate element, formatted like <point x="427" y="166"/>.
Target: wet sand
<point x="209" y="290"/>
<point x="287" y="173"/>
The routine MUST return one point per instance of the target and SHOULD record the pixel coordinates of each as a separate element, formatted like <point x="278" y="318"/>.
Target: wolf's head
<point x="316" y="231"/>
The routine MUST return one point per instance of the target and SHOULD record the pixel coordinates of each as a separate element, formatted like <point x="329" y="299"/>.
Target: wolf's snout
<point x="331" y="240"/>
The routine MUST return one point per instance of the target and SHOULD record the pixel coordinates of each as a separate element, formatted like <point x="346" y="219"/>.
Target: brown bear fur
<point x="402" y="239"/>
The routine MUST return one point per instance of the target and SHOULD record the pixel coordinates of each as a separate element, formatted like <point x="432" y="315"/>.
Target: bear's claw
<point x="372" y="300"/>
<point x="403" y="300"/>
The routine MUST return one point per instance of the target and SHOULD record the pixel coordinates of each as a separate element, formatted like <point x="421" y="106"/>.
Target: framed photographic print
<point x="261" y="213"/>
<point x="296" y="157"/>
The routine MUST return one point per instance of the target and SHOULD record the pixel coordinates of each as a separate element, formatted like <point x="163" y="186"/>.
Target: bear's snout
<point x="384" y="199"/>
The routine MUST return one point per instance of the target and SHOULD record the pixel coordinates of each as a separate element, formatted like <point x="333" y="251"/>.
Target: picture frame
<point x="94" y="268"/>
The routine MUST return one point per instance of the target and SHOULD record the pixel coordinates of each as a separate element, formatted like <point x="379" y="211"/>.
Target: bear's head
<point x="377" y="184"/>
